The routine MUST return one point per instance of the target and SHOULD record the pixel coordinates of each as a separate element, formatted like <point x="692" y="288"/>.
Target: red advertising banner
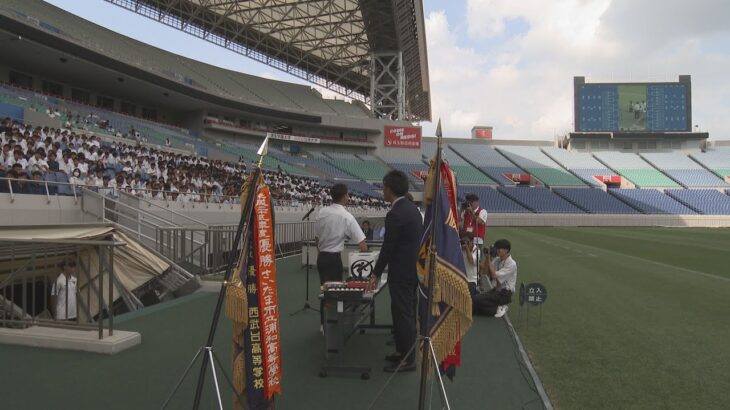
<point x="609" y="179"/>
<point x="484" y="133"/>
<point x="520" y="178"/>
<point x="402" y="137"/>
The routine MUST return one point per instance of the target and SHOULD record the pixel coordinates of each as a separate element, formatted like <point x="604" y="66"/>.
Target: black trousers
<point x="473" y="289"/>
<point x="403" y="299"/>
<point x="488" y="302"/>
<point x="329" y="266"/>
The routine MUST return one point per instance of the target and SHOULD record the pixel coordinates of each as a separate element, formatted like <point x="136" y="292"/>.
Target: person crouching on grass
<point x="503" y="271"/>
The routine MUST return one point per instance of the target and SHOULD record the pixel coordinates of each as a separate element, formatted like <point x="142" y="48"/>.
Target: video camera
<point x="498" y="244"/>
<point x="491" y="251"/>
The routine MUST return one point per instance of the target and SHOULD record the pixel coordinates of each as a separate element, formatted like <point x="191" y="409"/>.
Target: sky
<point x="510" y="63"/>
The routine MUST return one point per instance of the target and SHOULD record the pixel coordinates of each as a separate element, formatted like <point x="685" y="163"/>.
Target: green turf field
<point x="635" y="317"/>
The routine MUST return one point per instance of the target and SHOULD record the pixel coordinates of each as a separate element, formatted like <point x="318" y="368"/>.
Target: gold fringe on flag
<point x="237" y="303"/>
<point x="451" y="288"/>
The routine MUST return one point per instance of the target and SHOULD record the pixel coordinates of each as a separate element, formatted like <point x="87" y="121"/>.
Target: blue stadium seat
<point x="684" y="170"/>
<point x="705" y="201"/>
<point x="489" y="161"/>
<point x="595" y="201"/>
<point x="651" y="201"/>
<point x="540" y="200"/>
<point x="51" y="177"/>
<point x="491" y="199"/>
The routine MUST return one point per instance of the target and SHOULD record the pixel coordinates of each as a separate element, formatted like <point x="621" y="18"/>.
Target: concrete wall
<point x="712" y="221"/>
<point x="37" y="210"/>
<point x="229" y="214"/>
<point x="40" y="119"/>
<point x="23" y="209"/>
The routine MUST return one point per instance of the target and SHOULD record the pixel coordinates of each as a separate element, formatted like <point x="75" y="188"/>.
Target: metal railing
<point x="50" y="189"/>
<point x="47" y="188"/>
<point x="211" y="254"/>
<point x="142" y="225"/>
<point x="30" y="276"/>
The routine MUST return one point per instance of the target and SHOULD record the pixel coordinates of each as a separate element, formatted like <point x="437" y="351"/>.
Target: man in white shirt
<point x="335" y="225"/>
<point x="63" y="292"/>
<point x="470" y="263"/>
<point x="503" y="270"/>
<point x="37" y="162"/>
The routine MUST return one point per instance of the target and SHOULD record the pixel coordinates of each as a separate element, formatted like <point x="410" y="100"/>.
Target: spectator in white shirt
<point x="502" y="270"/>
<point x="77" y="179"/>
<point x="63" y="292"/>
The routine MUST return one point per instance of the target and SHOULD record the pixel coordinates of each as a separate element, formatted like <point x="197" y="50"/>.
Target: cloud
<point x="522" y="82"/>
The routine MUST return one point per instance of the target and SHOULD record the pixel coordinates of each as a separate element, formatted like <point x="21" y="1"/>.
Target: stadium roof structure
<point x="331" y="43"/>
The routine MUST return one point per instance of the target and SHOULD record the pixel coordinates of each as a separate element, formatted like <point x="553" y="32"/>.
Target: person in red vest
<point x="475" y="223"/>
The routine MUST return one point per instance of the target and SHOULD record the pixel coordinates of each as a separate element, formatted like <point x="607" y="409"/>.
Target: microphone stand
<point x="307" y="305"/>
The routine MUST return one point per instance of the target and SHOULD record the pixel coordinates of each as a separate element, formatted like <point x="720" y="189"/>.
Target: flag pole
<point x="244" y="221"/>
<point x="426" y="340"/>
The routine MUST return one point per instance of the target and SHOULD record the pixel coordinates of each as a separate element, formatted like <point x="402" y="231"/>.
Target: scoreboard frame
<point x="685" y="80"/>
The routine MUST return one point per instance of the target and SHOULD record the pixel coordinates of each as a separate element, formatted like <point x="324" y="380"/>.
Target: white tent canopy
<point x="39" y="250"/>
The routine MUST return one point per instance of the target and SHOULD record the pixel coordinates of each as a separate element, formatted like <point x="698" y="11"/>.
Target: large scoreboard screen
<point x="633" y="107"/>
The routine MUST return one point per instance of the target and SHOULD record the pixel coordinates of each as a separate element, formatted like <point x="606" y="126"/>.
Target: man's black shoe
<point x="406" y="367"/>
<point x="395" y="357"/>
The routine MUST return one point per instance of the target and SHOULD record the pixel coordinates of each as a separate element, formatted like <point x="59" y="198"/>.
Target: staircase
<point x="188" y="243"/>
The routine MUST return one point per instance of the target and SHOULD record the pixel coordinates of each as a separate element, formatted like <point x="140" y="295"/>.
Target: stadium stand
<point x="195" y="74"/>
<point x="317" y="165"/>
<point x="540" y="200"/>
<point x="275" y="161"/>
<point x="465" y="172"/>
<point x="359" y="187"/>
<point x="369" y="170"/>
<point x="408" y="165"/>
<point x="594" y="201"/>
<point x="488" y="160"/>
<point x="55" y="155"/>
<point x="540" y="166"/>
<point x="95" y="119"/>
<point x="718" y="161"/>
<point x="584" y="166"/>
<point x="491" y="199"/>
<point x="373" y="168"/>
<point x="635" y="169"/>
<point x="704" y="201"/>
<point x="684" y="170"/>
<point x="651" y="201"/>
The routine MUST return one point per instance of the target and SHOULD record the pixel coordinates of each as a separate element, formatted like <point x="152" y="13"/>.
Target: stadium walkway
<point x="492" y="375"/>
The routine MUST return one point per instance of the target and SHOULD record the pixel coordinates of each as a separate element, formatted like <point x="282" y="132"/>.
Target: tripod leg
<point x="215" y="377"/>
<point x="438" y="373"/>
<point x="179" y="383"/>
<point x="230" y="383"/>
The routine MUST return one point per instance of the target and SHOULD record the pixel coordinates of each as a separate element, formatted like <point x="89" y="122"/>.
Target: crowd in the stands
<point x="31" y="155"/>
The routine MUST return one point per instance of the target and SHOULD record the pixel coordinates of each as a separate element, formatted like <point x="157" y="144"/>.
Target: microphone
<point x="307" y="215"/>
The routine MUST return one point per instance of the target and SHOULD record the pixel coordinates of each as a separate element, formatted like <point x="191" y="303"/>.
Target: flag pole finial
<point x="263" y="150"/>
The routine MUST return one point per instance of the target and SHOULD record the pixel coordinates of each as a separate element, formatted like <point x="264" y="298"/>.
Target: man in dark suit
<point x="367" y="230"/>
<point x="403" y="229"/>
